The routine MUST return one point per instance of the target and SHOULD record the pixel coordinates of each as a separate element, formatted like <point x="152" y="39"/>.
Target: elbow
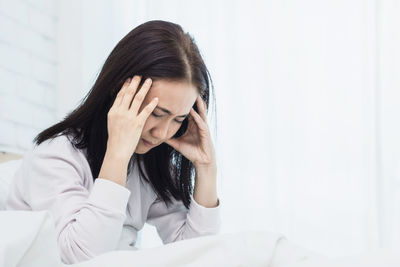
<point x="187" y="232"/>
<point x="71" y="250"/>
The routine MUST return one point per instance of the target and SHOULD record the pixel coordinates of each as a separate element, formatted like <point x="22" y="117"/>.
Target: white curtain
<point x="307" y="104"/>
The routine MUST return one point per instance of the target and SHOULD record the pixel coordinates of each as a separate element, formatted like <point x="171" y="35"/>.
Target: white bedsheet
<point x="28" y="239"/>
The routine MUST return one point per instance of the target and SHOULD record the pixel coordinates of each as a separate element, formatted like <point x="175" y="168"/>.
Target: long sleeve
<point x="88" y="217"/>
<point x="176" y="222"/>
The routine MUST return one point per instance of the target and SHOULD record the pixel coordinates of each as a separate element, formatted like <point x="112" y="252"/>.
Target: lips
<point x="147" y="142"/>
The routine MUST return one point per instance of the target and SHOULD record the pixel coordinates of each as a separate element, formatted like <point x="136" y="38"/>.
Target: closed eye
<point x="159" y="116"/>
<point x="155" y="115"/>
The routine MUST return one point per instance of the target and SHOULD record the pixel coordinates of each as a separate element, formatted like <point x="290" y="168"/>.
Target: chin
<point x="141" y="150"/>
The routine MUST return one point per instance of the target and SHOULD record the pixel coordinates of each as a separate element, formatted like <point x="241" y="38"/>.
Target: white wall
<point x="28" y="70"/>
<point x="307" y="99"/>
<point x="388" y="99"/>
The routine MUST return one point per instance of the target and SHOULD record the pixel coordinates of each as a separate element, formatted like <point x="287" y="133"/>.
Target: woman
<point x="130" y="152"/>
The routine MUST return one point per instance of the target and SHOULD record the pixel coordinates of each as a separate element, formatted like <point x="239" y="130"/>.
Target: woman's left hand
<point x="196" y="144"/>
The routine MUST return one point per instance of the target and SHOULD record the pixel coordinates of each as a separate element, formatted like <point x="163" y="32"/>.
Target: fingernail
<point x="148" y="81"/>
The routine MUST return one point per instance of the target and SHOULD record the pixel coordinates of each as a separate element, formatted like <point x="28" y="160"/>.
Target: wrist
<point x="114" y="168"/>
<point x="206" y="167"/>
<point x="206" y="174"/>
<point x="116" y="156"/>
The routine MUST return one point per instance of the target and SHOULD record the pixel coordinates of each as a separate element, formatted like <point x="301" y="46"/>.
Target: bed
<point x="24" y="244"/>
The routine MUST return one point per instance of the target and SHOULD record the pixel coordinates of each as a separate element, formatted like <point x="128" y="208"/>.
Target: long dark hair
<point x="155" y="49"/>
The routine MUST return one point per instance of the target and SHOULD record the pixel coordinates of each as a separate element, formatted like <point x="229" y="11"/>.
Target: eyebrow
<point x="169" y="112"/>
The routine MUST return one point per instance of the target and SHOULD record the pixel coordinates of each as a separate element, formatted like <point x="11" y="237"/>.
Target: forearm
<point x="92" y="226"/>
<point x="205" y="188"/>
<point x="114" y="167"/>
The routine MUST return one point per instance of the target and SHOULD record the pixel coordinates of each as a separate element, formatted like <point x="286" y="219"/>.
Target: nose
<point x="160" y="131"/>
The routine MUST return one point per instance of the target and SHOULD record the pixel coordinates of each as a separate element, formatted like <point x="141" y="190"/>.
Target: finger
<point x="199" y="120"/>
<point x="120" y="95"/>
<point x="140" y="96"/>
<point x="145" y="113"/>
<point x="201" y="107"/>
<point x="129" y="92"/>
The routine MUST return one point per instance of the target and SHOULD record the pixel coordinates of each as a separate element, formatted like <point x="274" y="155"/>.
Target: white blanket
<point x="28" y="239"/>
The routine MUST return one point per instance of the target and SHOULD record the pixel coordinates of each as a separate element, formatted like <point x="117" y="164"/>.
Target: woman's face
<point x="175" y="100"/>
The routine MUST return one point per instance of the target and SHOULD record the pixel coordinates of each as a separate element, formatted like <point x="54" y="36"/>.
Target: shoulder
<point x="58" y="152"/>
<point x="59" y="146"/>
<point x="62" y="143"/>
<point x="50" y="168"/>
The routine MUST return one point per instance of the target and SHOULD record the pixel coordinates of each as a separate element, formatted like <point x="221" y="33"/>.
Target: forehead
<point x="176" y="96"/>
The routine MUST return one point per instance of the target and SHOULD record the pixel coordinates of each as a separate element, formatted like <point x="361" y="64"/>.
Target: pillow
<point x="7" y="171"/>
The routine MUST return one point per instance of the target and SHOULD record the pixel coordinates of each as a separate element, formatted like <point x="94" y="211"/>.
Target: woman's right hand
<point x="125" y="124"/>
